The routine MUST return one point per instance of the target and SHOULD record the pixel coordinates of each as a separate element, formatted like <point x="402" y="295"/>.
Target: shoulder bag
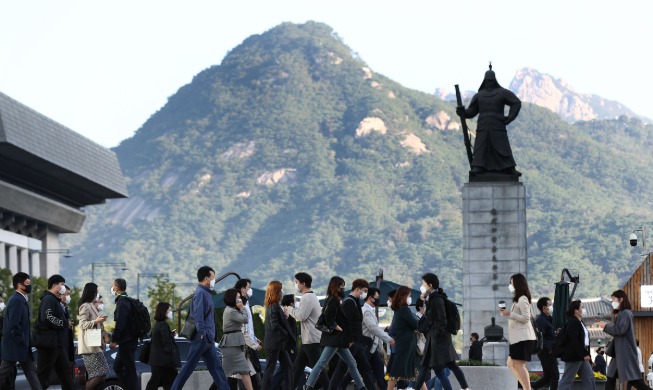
<point x="189" y="329"/>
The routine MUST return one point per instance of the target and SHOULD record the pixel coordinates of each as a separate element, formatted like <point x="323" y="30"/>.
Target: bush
<point x="475" y="363"/>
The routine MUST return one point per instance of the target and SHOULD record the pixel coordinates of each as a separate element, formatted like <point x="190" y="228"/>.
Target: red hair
<point x="273" y="293"/>
<point x="401" y="298"/>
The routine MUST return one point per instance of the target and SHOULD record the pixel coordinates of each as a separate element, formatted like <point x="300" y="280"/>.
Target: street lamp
<point x="122" y="266"/>
<point x="145" y="275"/>
<point x="633" y="239"/>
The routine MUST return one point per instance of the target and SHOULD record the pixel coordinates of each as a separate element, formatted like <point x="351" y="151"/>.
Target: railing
<point x="188" y="298"/>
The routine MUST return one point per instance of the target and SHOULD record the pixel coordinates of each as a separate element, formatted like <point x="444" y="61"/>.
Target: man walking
<point x="202" y="342"/>
<point x="544" y="323"/>
<point x="124" y="336"/>
<point x="352" y="310"/>
<point x="52" y="326"/>
<point x="16" y="334"/>
<point x="307" y="314"/>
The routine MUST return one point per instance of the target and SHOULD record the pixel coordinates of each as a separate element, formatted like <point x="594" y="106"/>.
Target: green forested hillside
<point x="261" y="166"/>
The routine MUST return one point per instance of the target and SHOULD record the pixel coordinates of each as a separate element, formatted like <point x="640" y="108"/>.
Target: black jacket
<point x="352" y="310"/>
<point x="52" y="319"/>
<point x="69" y="345"/>
<point x="124" y="318"/>
<point x="277" y="330"/>
<point x="545" y="325"/>
<point x="333" y="312"/>
<point x="573" y="342"/>
<point x="163" y="351"/>
<point x="476" y="351"/>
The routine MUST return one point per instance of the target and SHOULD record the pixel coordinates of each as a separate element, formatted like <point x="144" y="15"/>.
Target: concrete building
<point x="48" y="174"/>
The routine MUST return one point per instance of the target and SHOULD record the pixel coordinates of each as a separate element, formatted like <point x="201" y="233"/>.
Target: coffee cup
<point x="502" y="305"/>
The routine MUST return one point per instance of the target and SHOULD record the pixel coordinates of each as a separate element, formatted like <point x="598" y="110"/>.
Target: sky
<point x="103" y="68"/>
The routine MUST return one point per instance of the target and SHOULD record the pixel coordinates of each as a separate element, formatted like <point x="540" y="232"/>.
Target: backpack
<point x="453" y="316"/>
<point x="141" y="318"/>
<point x="539" y="338"/>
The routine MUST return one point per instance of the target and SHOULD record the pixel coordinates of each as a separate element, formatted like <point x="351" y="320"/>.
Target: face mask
<point x="422" y="289"/>
<point x="409" y="301"/>
<point x="100" y="307"/>
<point x="67" y="299"/>
<point x="389" y="302"/>
<point x="97" y="296"/>
<point x="551" y="309"/>
<point x="169" y="315"/>
<point x="511" y="288"/>
<point x="113" y="291"/>
<point x="364" y="295"/>
<point x="62" y="290"/>
<point x="341" y="292"/>
<point x="250" y="292"/>
<point x="583" y="312"/>
<point x="2" y="306"/>
<point x="212" y="283"/>
<point x="297" y="287"/>
<point x="615" y="305"/>
<point x="28" y="289"/>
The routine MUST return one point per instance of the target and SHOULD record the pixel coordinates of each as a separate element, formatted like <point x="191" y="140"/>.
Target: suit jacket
<point x="519" y="322"/>
<point x="87" y="315"/>
<point x="573" y="341"/>
<point x="16" y="329"/>
<point x="277" y="330"/>
<point x="232" y="326"/>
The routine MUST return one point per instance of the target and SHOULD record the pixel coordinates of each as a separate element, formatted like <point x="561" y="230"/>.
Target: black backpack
<point x="453" y="316"/>
<point x="141" y="315"/>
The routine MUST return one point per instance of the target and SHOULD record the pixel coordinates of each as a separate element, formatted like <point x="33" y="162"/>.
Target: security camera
<point x="633" y="239"/>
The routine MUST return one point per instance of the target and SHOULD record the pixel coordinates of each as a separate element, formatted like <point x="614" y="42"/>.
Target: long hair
<point x="401" y="297"/>
<point x="273" y="293"/>
<point x="161" y="312"/>
<point x="88" y="294"/>
<point x="521" y="287"/>
<point x="333" y="290"/>
<point x="625" y="304"/>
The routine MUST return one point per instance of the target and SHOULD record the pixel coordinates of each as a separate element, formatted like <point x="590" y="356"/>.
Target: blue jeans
<point x="584" y="370"/>
<point x="345" y="356"/>
<point x="202" y="348"/>
<point x="434" y="383"/>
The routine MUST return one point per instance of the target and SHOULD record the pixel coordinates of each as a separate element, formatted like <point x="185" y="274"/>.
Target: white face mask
<point x="62" y="289"/>
<point x="97" y="296"/>
<point x="511" y="288"/>
<point x="250" y="292"/>
<point x="67" y="299"/>
<point x="297" y="287"/>
<point x="2" y="306"/>
<point x="169" y="315"/>
<point x="212" y="283"/>
<point x="364" y="295"/>
<point x="409" y="301"/>
<point x="615" y="305"/>
<point x="583" y="312"/>
<point x="100" y="306"/>
<point x="113" y="291"/>
<point x="422" y="289"/>
<point x="551" y="309"/>
<point x="389" y="302"/>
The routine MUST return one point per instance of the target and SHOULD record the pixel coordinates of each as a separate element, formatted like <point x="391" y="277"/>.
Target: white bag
<point x="93" y="337"/>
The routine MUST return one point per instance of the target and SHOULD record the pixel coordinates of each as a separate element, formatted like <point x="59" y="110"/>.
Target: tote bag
<point x="93" y="337"/>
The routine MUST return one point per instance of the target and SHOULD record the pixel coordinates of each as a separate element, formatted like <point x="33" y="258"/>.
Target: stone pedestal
<point x="494" y="248"/>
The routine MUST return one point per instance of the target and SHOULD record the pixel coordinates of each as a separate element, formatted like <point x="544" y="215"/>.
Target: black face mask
<point x="341" y="292"/>
<point x="28" y="288"/>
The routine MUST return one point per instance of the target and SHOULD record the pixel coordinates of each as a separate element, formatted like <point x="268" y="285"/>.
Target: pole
<point x="93" y="272"/>
<point x="138" y="287"/>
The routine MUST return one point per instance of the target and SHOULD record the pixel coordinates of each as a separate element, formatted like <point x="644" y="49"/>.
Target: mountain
<point x="556" y="95"/>
<point x="293" y="154"/>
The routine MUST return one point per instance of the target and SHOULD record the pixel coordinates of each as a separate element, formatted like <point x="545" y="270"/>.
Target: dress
<point x="404" y="326"/>
<point x="232" y="344"/>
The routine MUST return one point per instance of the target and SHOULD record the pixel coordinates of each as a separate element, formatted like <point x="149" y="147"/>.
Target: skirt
<point x="96" y="364"/>
<point x="521" y="350"/>
<point x="234" y="361"/>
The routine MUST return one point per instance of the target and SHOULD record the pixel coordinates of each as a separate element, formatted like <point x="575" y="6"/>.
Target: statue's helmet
<point x="489" y="76"/>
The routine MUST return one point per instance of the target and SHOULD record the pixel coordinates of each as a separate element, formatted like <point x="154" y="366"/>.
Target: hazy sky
<point x="103" y="68"/>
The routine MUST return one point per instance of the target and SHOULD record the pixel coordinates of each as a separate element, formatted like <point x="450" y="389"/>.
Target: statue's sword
<point x="468" y="144"/>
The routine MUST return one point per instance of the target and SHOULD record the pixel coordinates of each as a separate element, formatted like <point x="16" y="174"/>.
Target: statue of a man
<point x="492" y="151"/>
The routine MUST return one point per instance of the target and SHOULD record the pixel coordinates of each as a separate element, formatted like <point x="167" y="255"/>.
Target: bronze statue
<point x="492" y="153"/>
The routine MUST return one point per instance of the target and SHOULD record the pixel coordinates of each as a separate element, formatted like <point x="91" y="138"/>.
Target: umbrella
<point x="562" y="298"/>
<point x="257" y="298"/>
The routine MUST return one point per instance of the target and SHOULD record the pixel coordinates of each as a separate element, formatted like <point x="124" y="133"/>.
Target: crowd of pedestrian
<point x="344" y="326"/>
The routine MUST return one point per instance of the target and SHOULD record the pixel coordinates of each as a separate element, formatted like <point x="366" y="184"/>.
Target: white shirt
<point x="250" y="322"/>
<point x="371" y="327"/>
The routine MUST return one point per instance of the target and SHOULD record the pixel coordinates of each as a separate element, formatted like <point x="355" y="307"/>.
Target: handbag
<point x="609" y="349"/>
<point x="321" y="324"/>
<point x="93" y="337"/>
<point x="189" y="329"/>
<point x="144" y="356"/>
<point x="538" y="343"/>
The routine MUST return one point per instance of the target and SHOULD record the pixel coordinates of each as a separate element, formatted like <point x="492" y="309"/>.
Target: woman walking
<point x="521" y="334"/>
<point x="624" y="364"/>
<point x="338" y="341"/>
<point x="90" y="318"/>
<point x="277" y="337"/>
<point x="233" y="342"/>
<point x="164" y="354"/>
<point x="439" y="353"/>
<point x="404" y="324"/>
<point x="576" y="350"/>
